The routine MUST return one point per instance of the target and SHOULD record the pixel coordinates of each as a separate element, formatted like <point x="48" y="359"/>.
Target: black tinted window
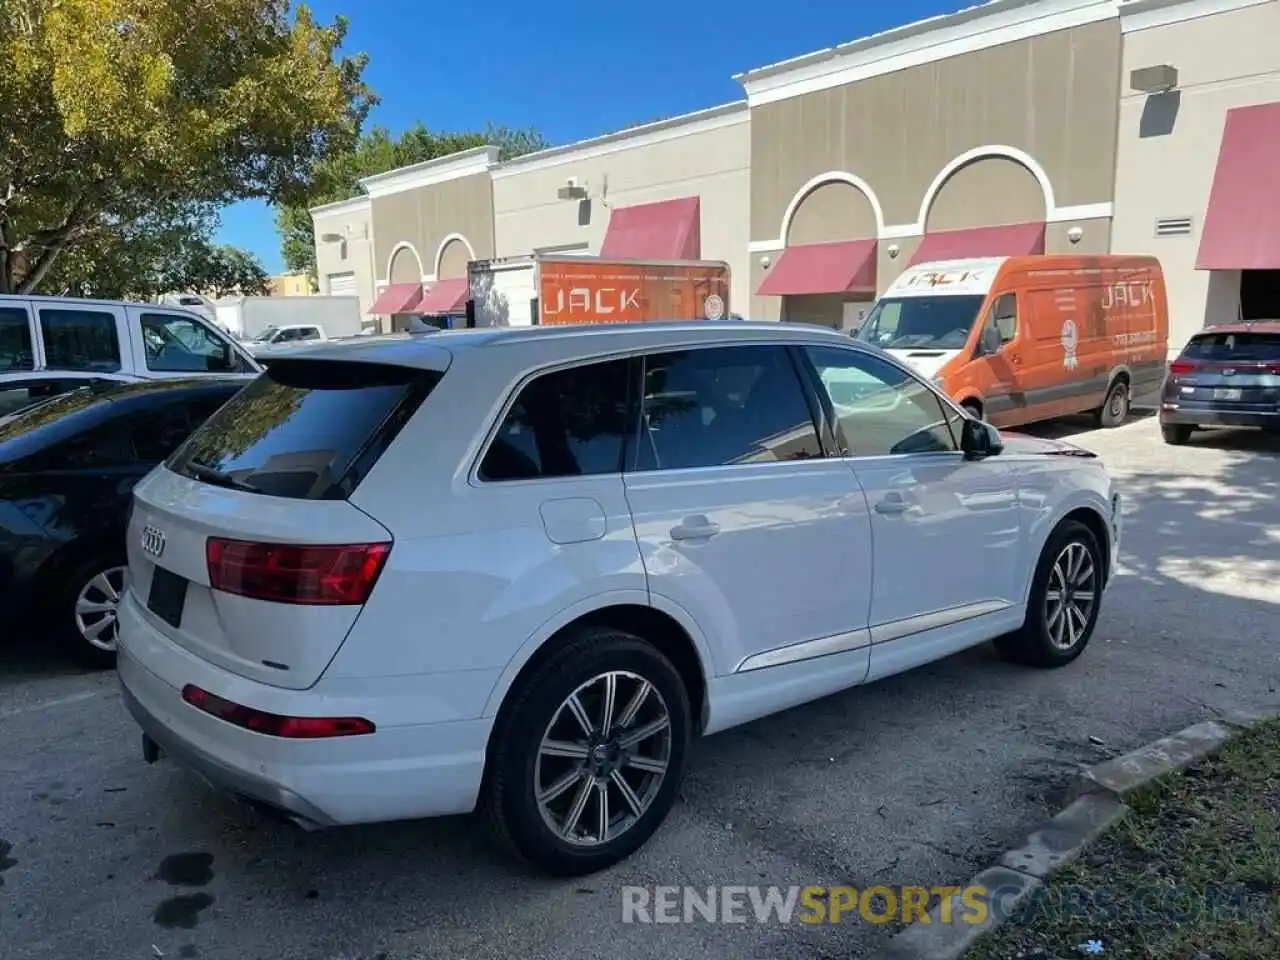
<point x="17" y="395"/>
<point x="80" y="340"/>
<point x="1234" y="346"/>
<point x="159" y="431"/>
<point x="881" y="410"/>
<point x="305" y="429"/>
<point x="15" y="340"/>
<point x="569" y="423"/>
<point x="723" y="405"/>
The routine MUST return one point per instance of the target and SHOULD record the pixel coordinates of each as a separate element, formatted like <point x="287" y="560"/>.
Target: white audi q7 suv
<point x="519" y="571"/>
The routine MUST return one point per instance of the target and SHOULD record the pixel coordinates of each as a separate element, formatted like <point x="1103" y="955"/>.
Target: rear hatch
<point x="243" y="547"/>
<point x="1232" y="371"/>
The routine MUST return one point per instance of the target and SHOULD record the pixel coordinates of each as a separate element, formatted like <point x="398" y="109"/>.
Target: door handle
<point x="695" y="528"/>
<point x="892" y="505"/>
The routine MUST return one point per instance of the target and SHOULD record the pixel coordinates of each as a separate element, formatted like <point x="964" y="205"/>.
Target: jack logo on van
<point x="606" y="300"/>
<point x="1126" y="295"/>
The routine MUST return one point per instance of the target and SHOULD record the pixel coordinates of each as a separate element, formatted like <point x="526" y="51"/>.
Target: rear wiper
<point x="202" y="471"/>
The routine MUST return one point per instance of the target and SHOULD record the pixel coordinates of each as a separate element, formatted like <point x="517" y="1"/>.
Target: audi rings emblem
<point x="152" y="541"/>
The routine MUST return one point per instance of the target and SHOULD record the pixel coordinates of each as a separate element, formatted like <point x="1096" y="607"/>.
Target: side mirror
<point x="989" y="343"/>
<point x="979" y="440"/>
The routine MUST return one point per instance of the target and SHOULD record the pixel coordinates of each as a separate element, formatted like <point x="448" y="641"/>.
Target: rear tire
<point x="1175" y="433"/>
<point x="973" y="408"/>
<point x="547" y="807"/>
<point x="84" y="611"/>
<point x="1066" y="597"/>
<point x="1115" y="409"/>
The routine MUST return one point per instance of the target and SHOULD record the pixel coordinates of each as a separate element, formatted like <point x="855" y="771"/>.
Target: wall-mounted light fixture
<point x="572" y="190"/>
<point x="893" y="250"/>
<point x="765" y="261"/>
<point x="1075" y="234"/>
<point x="1160" y="78"/>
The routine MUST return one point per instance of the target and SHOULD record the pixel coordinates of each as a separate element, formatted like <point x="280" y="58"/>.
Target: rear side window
<point x="1264" y="347"/>
<point x="567" y="423"/>
<point x="305" y="429"/>
<point x="15" y="340"/>
<point x="80" y="340"/>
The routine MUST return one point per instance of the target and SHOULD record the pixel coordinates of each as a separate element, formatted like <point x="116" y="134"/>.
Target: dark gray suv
<point x="1228" y="375"/>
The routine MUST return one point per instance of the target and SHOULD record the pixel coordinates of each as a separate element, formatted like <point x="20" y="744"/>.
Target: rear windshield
<point x="305" y="429"/>
<point x="1234" y="346"/>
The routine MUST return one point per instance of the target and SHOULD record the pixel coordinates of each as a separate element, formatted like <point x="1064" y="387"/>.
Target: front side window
<point x="880" y="409"/>
<point x="1004" y="316"/>
<point x="80" y="340"/>
<point x="930" y="322"/>
<point x="176" y="344"/>
<point x="715" y="406"/>
<point x="15" y="340"/>
<point x="567" y="423"/>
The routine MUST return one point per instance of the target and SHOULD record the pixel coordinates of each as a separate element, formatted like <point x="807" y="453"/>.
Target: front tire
<point x="587" y="760"/>
<point x="1175" y="433"/>
<point x="85" y="610"/>
<point x="1066" y="597"/>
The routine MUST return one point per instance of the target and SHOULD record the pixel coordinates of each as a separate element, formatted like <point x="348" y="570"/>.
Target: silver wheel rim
<point x="1117" y="401"/>
<point x="96" y="608"/>
<point x="603" y="758"/>
<point x="1070" y="598"/>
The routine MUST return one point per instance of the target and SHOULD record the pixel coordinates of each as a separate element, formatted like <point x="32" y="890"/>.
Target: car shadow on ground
<point x="25" y="656"/>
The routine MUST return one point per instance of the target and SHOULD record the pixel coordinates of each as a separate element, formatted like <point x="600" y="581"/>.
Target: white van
<point x="50" y="345"/>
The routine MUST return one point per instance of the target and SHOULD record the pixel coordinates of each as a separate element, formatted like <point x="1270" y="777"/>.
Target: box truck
<point x="542" y="289"/>
<point x="248" y="317"/>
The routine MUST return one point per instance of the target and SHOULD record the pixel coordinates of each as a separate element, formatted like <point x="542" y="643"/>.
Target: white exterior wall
<point x="350" y="219"/>
<point x="706" y="155"/>
<point x="1227" y="55"/>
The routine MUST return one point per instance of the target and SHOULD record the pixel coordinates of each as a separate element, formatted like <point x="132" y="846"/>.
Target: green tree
<point x="218" y="271"/>
<point x="377" y="151"/>
<point x="120" y="113"/>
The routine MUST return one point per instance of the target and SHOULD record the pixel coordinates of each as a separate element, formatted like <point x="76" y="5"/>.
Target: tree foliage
<point x="122" y="115"/>
<point x="377" y="151"/>
<point x="151" y="257"/>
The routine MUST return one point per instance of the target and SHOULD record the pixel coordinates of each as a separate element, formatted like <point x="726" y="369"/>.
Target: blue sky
<point x="571" y="68"/>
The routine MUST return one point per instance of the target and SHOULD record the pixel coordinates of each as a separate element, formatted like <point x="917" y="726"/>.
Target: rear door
<point x="1231" y="372"/>
<point x="83" y="337"/>
<point x="739" y="517"/>
<point x="243" y="548"/>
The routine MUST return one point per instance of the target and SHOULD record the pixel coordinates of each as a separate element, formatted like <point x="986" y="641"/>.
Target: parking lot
<point x="920" y="779"/>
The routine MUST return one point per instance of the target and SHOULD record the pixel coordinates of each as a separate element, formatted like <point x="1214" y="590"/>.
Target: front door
<point x="946" y="529"/>
<point x="738" y="514"/>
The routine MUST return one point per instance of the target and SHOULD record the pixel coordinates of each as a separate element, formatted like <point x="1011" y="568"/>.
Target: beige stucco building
<point x="703" y="156"/>
<point x="1225" y="58"/>
<point x="1015" y="126"/>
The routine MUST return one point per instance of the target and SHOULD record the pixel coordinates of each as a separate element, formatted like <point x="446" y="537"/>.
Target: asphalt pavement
<point x="920" y="779"/>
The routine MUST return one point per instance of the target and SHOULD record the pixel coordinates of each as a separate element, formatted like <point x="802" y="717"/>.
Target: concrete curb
<point x="1097" y="804"/>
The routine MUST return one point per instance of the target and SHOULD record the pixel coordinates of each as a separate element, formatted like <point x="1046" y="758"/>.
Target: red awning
<point x="1011" y="240"/>
<point x="1240" y="225"/>
<point x="666" y="230"/>
<point x="444" y="296"/>
<point x="848" y="266"/>
<point x="397" y="298"/>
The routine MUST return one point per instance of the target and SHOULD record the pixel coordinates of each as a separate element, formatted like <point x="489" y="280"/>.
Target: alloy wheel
<point x="97" y="607"/>
<point x="1071" y="596"/>
<point x="603" y="758"/>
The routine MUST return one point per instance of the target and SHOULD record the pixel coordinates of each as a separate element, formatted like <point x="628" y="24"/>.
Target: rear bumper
<point x="1206" y="416"/>
<point x="397" y="773"/>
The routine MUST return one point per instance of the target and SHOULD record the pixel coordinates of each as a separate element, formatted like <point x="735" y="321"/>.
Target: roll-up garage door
<point x="342" y="284"/>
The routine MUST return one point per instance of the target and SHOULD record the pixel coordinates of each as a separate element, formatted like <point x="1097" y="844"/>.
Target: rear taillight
<point x="1179" y="367"/>
<point x="272" y="724"/>
<point x="332" y="574"/>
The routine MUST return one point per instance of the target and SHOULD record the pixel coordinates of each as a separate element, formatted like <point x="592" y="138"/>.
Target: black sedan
<point x="68" y="466"/>
<point x="1228" y="375"/>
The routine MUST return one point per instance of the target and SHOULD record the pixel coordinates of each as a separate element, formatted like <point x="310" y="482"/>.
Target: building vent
<point x="1173" y="226"/>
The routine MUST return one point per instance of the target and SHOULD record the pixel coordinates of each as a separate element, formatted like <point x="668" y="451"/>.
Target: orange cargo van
<point x="1020" y="339"/>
